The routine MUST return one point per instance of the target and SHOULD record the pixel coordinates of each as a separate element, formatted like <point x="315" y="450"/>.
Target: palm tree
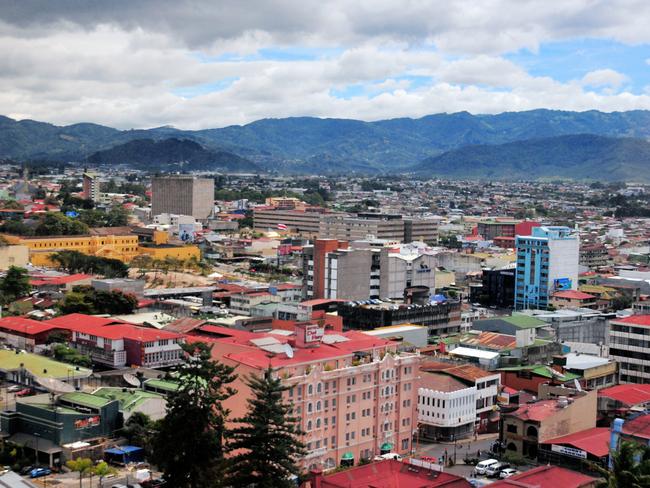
<point x="630" y="467"/>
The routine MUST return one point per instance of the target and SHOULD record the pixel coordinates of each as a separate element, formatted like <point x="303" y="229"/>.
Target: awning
<point x="348" y="456"/>
<point x="386" y="446"/>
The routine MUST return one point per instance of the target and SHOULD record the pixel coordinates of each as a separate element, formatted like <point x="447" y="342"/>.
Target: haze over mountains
<point x="532" y="144"/>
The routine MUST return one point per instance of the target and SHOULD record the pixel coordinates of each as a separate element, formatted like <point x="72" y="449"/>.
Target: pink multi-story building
<point x="354" y="394"/>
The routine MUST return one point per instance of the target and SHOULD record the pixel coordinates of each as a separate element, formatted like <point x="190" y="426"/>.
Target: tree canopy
<point x="189" y="444"/>
<point x="265" y="442"/>
<point x="77" y="262"/>
<point x="15" y="284"/>
<point x="86" y="299"/>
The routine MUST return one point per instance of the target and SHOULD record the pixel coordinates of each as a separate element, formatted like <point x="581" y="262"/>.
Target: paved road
<point x="463" y="448"/>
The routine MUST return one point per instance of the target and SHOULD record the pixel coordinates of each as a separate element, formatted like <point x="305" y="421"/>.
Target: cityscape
<point x="403" y="274"/>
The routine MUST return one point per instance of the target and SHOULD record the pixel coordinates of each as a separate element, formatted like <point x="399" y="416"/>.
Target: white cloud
<point x="128" y="64"/>
<point x="604" y="78"/>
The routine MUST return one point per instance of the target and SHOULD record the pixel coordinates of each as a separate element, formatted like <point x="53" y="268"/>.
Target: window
<point x="309" y="408"/>
<point x="405" y="444"/>
<point x="511" y="428"/>
<point x="309" y="425"/>
<point x="310" y="390"/>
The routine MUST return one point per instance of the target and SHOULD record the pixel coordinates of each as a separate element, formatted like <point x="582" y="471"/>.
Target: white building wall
<point x="446" y="409"/>
<point x="563" y="261"/>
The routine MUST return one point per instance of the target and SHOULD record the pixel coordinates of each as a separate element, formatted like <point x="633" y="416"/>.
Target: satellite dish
<point x="131" y="380"/>
<point x="288" y="350"/>
<point x="55" y="386"/>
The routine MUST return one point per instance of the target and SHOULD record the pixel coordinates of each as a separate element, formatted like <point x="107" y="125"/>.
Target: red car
<point x="25" y="392"/>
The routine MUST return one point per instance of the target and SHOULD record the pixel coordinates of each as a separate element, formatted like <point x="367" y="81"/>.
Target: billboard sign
<point x="186" y="233"/>
<point x="569" y="451"/>
<point x="563" y="284"/>
<point x="87" y="422"/>
<point x="314" y="333"/>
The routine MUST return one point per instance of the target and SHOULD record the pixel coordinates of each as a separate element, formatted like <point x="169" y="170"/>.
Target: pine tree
<point x="265" y="443"/>
<point x="188" y="446"/>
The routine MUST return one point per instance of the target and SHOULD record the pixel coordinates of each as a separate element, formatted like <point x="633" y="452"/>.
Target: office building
<point x="182" y="195"/>
<point x="91" y="187"/>
<point x="493" y="229"/>
<point x="629" y="345"/>
<point x="301" y="222"/>
<point x="363" y="270"/>
<point x="547" y="261"/>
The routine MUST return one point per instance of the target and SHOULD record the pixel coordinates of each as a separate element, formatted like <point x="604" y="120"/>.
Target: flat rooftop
<point x="40" y="366"/>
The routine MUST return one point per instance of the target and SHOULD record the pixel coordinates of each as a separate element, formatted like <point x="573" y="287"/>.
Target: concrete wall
<point x="13" y="256"/>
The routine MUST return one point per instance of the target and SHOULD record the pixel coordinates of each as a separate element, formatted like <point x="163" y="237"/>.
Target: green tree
<point x="80" y="465"/>
<point x="15" y="284"/>
<point x="102" y="470"/>
<point x="266" y="439"/>
<point x="85" y="299"/>
<point x="630" y="467"/>
<point x="138" y="430"/>
<point x="188" y="445"/>
<point x="57" y="224"/>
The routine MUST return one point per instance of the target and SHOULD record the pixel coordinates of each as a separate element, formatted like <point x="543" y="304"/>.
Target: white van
<point x="482" y="467"/>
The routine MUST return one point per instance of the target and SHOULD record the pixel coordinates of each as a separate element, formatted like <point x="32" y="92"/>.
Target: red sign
<point x="87" y="422"/>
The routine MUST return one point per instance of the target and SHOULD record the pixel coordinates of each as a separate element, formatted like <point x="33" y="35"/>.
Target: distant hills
<point x="460" y="145"/>
<point x="170" y="155"/>
<point x="581" y="156"/>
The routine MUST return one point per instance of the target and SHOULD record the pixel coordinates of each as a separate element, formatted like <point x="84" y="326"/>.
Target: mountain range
<point x="536" y="143"/>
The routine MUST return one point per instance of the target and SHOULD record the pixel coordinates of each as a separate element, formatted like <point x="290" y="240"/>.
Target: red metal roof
<point x="632" y="394"/>
<point x="638" y="427"/>
<point x="546" y="477"/>
<point x="392" y="474"/>
<point x="82" y="320"/>
<point x="643" y="320"/>
<point x="25" y="326"/>
<point x="595" y="441"/>
<point x="536" y="412"/>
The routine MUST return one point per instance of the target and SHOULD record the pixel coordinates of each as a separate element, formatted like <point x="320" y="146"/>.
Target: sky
<point x="200" y="64"/>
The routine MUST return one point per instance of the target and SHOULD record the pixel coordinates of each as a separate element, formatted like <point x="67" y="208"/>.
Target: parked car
<point x="507" y="473"/>
<point x="38" y="472"/>
<point x="26" y="470"/>
<point x="157" y="483"/>
<point x="481" y="467"/>
<point x="14" y="388"/>
<point x="493" y="470"/>
<point x="25" y="392"/>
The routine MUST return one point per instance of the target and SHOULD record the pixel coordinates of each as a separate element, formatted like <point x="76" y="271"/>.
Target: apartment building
<point x="354" y="395"/>
<point x="91" y="186"/>
<point x="547" y="261"/>
<point x="182" y="195"/>
<point x="629" y="345"/>
<point x="344" y="227"/>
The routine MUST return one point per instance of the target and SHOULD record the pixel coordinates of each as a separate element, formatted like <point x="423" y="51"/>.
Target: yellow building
<point x="123" y="247"/>
<point x="182" y="253"/>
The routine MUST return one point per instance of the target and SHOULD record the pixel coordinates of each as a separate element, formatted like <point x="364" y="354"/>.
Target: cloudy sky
<point x="198" y="64"/>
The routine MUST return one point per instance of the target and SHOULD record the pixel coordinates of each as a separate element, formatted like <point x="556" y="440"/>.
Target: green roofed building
<point x="49" y="427"/>
<point x="24" y="367"/>
<point x="135" y="400"/>
<point x="164" y="387"/>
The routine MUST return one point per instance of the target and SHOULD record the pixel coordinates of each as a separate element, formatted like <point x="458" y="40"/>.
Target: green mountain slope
<point x="308" y="144"/>
<point x="582" y="156"/>
<point x="170" y="155"/>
